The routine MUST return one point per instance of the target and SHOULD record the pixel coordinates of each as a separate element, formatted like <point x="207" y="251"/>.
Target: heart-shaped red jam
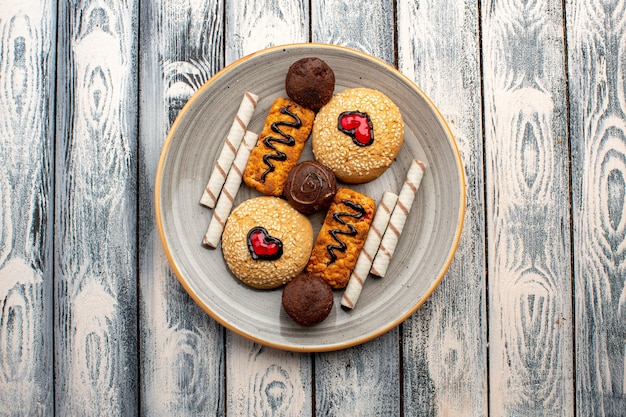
<point x="358" y="126"/>
<point x="263" y="246"/>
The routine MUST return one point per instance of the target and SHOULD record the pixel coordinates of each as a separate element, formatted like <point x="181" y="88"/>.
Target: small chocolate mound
<point x="310" y="82"/>
<point x="307" y="299"/>
<point x="310" y="187"/>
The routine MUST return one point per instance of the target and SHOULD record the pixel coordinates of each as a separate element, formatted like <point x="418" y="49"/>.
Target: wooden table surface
<point x="530" y="319"/>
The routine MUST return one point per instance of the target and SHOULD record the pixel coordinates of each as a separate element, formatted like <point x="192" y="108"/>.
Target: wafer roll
<point x="229" y="150"/>
<point x="227" y="196"/>
<point x="398" y="218"/>
<point x="366" y="257"/>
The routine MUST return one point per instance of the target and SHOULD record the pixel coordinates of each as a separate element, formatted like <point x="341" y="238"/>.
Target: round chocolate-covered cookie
<point x="307" y="299"/>
<point x="310" y="82"/>
<point x="310" y="187"/>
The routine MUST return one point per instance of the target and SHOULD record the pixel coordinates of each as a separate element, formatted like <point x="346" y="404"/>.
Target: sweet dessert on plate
<point x="358" y="134"/>
<point x="341" y="237"/>
<point x="286" y="130"/>
<point x="310" y="187"/>
<point x="266" y="242"/>
<point x="307" y="299"/>
<point x="310" y="82"/>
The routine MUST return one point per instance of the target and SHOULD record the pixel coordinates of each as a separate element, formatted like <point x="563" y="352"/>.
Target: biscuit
<point x="341" y="237"/>
<point x="358" y="134"/>
<point x="278" y="148"/>
<point x="310" y="82"/>
<point x="310" y="187"/>
<point x="307" y="299"/>
<point x="266" y="242"/>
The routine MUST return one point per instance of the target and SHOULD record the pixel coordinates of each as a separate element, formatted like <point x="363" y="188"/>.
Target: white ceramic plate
<point x="424" y="251"/>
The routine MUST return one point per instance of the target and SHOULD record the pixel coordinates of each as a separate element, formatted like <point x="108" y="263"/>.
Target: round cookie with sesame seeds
<point x="266" y="242"/>
<point x="358" y="134"/>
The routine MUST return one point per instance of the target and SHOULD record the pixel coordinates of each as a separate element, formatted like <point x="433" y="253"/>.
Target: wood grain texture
<point x="27" y="44"/>
<point x="445" y="342"/>
<point x="182" y="347"/>
<point x="279" y="384"/>
<point x="258" y="24"/>
<point x="362" y="380"/>
<point x="530" y="324"/>
<point x="597" y="63"/>
<point x="95" y="262"/>
<point x="69" y="341"/>
<point x="276" y="382"/>
<point x="362" y="25"/>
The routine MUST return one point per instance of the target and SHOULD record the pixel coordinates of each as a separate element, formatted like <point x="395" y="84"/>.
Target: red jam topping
<point x="358" y="126"/>
<point x="263" y="246"/>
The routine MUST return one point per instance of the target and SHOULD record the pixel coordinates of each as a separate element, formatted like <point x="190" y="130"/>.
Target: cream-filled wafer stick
<point x="229" y="150"/>
<point x="366" y="256"/>
<point x="398" y="218"/>
<point x="229" y="192"/>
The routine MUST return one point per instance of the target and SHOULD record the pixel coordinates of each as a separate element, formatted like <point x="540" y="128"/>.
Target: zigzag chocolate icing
<point x="341" y="246"/>
<point x="286" y="140"/>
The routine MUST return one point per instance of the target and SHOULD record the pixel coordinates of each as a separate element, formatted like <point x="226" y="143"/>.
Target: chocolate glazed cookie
<point x="310" y="187"/>
<point x="307" y="299"/>
<point x="310" y="82"/>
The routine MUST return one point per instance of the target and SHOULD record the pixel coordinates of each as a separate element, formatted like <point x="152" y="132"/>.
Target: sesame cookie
<point x="358" y="134"/>
<point x="266" y="242"/>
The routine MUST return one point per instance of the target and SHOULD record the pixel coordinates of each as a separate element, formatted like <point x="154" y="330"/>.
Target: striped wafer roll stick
<point x="229" y="192"/>
<point x="398" y="218"/>
<point x="229" y="150"/>
<point x="366" y="256"/>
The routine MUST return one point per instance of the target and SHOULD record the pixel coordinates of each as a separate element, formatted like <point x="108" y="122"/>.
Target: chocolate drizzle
<point x="338" y="216"/>
<point x="285" y="140"/>
<point x="310" y="187"/>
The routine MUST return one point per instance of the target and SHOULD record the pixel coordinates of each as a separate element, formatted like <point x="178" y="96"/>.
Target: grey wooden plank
<point x="363" y="380"/>
<point x="263" y="381"/>
<point x="95" y="241"/>
<point x="182" y="350"/>
<point x="363" y="25"/>
<point x="526" y="160"/>
<point x="597" y="64"/>
<point x="360" y="381"/>
<point x="445" y="341"/>
<point x="27" y="71"/>
<point x="257" y="24"/>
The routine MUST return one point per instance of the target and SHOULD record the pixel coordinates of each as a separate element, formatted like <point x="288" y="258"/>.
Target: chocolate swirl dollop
<point x="310" y="187"/>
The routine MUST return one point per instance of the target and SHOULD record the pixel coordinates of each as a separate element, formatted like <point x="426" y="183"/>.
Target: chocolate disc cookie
<point x="310" y="187"/>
